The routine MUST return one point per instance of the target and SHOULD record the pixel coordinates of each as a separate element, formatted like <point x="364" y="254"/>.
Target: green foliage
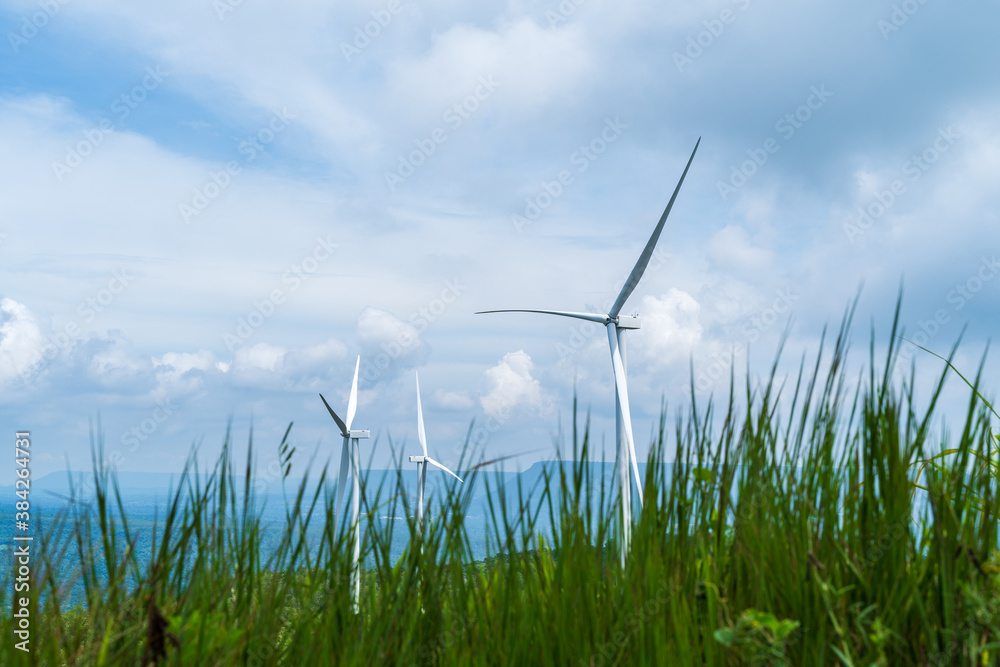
<point x="775" y="536"/>
<point x="758" y="637"/>
<point x="988" y="462"/>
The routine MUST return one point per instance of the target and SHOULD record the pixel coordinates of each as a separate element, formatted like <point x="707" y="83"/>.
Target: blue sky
<point x="212" y="208"/>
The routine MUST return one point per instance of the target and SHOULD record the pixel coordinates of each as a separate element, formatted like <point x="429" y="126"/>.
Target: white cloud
<point x="390" y="344"/>
<point x="21" y="341"/>
<point x="510" y="385"/>
<point x="116" y="360"/>
<point x="259" y="357"/>
<point x="533" y="66"/>
<point x="451" y="400"/>
<point x="315" y="359"/>
<point x="181" y="362"/>
<point x="277" y="368"/>
<point x="183" y="372"/>
<point x="671" y="327"/>
<point x="262" y="57"/>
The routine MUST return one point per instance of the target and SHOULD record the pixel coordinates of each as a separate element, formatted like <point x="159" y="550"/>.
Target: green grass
<point x="785" y="532"/>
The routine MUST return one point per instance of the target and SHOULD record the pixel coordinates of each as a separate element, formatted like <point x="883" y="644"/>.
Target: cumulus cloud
<point x="451" y="400"/>
<point x="452" y="69"/>
<point x="259" y="357"/>
<point x="114" y="360"/>
<point x="81" y="361"/>
<point x="21" y="340"/>
<point x="670" y="327"/>
<point x="314" y="360"/>
<point x="388" y="344"/>
<point x="275" y="367"/>
<point x="180" y="373"/>
<point x="510" y="385"/>
<point x="106" y="364"/>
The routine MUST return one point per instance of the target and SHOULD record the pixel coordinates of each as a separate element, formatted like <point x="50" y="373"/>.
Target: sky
<point x="211" y="209"/>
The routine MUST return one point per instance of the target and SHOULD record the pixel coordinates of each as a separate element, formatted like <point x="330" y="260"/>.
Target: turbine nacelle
<point x="628" y="322"/>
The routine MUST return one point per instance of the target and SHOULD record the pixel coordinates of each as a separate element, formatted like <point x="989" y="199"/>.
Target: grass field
<point x="789" y="531"/>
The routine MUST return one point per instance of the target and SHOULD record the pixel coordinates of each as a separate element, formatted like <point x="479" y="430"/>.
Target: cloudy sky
<point x="211" y="208"/>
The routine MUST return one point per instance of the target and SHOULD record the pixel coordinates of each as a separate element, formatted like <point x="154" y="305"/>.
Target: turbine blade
<point x="621" y="387"/>
<point x="352" y="402"/>
<point x="420" y="418"/>
<point x="344" y="462"/>
<point x="635" y="469"/>
<point x="340" y="424"/>
<point x="590" y="317"/>
<point x="647" y="252"/>
<point x="435" y="463"/>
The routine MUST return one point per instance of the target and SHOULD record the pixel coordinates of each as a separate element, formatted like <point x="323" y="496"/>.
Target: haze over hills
<point x="156" y="488"/>
<point x="146" y="496"/>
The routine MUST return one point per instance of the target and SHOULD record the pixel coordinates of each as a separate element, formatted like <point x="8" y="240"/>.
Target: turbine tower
<point x="617" y="325"/>
<point x="351" y="458"/>
<point x="423" y="461"/>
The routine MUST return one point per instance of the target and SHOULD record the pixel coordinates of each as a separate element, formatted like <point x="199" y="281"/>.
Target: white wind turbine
<point x="423" y="461"/>
<point x="616" y="325"/>
<point x="351" y="457"/>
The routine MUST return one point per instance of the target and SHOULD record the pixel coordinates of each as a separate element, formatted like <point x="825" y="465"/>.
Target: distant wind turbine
<point x="351" y="457"/>
<point x="616" y="325"/>
<point x="423" y="461"/>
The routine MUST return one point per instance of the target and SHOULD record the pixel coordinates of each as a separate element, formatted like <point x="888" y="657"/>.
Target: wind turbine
<point x="423" y="461"/>
<point x="617" y="325"/>
<point x="351" y="457"/>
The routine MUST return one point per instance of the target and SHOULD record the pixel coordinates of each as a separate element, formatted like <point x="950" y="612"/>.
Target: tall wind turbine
<point x="617" y="325"/>
<point x="423" y="461"/>
<point x="351" y="458"/>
